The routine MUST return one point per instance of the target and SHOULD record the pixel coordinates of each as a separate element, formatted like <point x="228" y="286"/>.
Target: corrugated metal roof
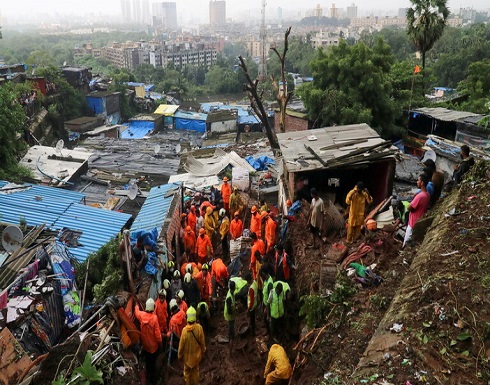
<point x="99" y="226"/>
<point x="444" y="114"/>
<point x="156" y="208"/>
<point x="189" y="115"/>
<point x="166" y="109"/>
<point x="62" y="208"/>
<point x="328" y="143"/>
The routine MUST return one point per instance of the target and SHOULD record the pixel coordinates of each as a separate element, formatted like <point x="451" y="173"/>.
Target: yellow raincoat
<point x="278" y="366"/>
<point x="357" y="201"/>
<point x="191" y="349"/>
<point x="224" y="229"/>
<point x="209" y="223"/>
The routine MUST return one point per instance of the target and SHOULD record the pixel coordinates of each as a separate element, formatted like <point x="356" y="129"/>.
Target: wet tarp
<point x="215" y="164"/>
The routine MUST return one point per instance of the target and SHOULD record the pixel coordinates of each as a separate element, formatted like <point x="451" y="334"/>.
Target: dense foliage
<point x="13" y="119"/>
<point x="352" y="85"/>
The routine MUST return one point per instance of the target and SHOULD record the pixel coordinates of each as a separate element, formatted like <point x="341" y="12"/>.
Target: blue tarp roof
<point x="138" y="129"/>
<point x="60" y="208"/>
<point x="148" y="87"/>
<point x="155" y="210"/>
<point x="247" y="119"/>
<point x="190" y="115"/>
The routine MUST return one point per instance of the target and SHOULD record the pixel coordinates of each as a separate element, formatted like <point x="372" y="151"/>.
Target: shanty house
<point x="106" y="105"/>
<point x="222" y="121"/>
<point x="295" y="121"/>
<point x="188" y="120"/>
<point x="443" y="122"/>
<point x="142" y="125"/>
<point x="83" y="124"/>
<point x="334" y="159"/>
<point x="78" y="77"/>
<point x="167" y="110"/>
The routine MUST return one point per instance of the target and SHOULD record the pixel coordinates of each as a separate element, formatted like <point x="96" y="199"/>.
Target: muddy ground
<point x="438" y="291"/>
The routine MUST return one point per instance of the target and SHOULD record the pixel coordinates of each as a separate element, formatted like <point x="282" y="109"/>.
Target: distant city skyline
<point x="198" y="10"/>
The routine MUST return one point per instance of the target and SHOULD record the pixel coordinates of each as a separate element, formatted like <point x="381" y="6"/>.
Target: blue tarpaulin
<point x="260" y="163"/>
<point x="193" y="125"/>
<point x="138" y="130"/>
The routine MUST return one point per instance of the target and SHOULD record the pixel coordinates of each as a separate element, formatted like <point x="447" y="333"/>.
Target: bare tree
<point x="257" y="104"/>
<point x="282" y="94"/>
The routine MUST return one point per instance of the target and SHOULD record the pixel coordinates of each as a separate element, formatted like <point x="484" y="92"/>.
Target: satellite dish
<point x="133" y="191"/>
<point x="178" y="148"/>
<point x="156" y="149"/>
<point x="59" y="146"/>
<point x="12" y="238"/>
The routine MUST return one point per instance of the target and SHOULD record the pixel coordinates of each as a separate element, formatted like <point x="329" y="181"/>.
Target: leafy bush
<point x="105" y="274"/>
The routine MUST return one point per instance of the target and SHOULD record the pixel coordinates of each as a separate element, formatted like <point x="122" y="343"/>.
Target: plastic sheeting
<point x="138" y="130"/>
<point x="193" y="125"/>
<point x="260" y="164"/>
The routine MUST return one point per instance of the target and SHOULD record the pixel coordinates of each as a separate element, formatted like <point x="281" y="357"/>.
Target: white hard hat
<point x="150" y="304"/>
<point x="187" y="278"/>
<point x="188" y="268"/>
<point x="222" y="212"/>
<point x="173" y="303"/>
<point x="166" y="284"/>
<point x="176" y="274"/>
<point x="180" y="294"/>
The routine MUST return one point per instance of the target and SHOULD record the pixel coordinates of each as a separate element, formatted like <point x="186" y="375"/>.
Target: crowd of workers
<point x="199" y="285"/>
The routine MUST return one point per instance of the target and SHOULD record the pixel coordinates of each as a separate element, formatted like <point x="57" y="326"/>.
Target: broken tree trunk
<point x="258" y="106"/>
<point x="282" y="94"/>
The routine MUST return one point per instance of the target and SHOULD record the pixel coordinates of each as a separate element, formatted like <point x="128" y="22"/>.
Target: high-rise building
<point x="126" y="11"/>
<point x="145" y="11"/>
<point x="351" y="11"/>
<point x="318" y="11"/>
<point x="217" y="12"/>
<point x="137" y="11"/>
<point x="165" y="15"/>
<point x="279" y="15"/>
<point x="334" y="12"/>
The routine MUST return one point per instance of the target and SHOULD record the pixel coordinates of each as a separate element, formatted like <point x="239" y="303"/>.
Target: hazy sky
<point x="194" y="7"/>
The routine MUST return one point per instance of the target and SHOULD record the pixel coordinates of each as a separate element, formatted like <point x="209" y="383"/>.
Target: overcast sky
<point x="194" y="7"/>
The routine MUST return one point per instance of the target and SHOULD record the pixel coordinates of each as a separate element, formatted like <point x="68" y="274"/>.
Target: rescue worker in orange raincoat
<point x="226" y="193"/>
<point x="278" y="367"/>
<point x="270" y="233"/>
<point x="191" y="218"/>
<point x="192" y="346"/>
<point x="357" y="199"/>
<point x="161" y="311"/>
<point x="190" y="241"/>
<point x="177" y="321"/>
<point x="219" y="275"/>
<point x="258" y="245"/>
<point x="204" y="281"/>
<point x="204" y="248"/>
<point x="255" y="222"/>
<point x="236" y="226"/>
<point x="151" y="337"/>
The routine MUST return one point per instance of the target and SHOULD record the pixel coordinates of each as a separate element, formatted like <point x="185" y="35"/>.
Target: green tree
<point x="11" y="133"/>
<point x="351" y="84"/>
<point x="426" y="20"/>
<point x="477" y="87"/>
<point x="70" y="103"/>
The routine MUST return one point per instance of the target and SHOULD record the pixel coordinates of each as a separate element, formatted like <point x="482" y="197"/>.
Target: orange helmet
<point x="371" y="224"/>
<point x="237" y="213"/>
<point x="225" y="179"/>
<point x="201" y="230"/>
<point x="193" y="208"/>
<point x="183" y="215"/>
<point x="188" y="229"/>
<point x="289" y="203"/>
<point x="253" y="209"/>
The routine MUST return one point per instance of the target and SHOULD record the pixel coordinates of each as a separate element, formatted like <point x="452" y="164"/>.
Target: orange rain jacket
<point x="151" y="336"/>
